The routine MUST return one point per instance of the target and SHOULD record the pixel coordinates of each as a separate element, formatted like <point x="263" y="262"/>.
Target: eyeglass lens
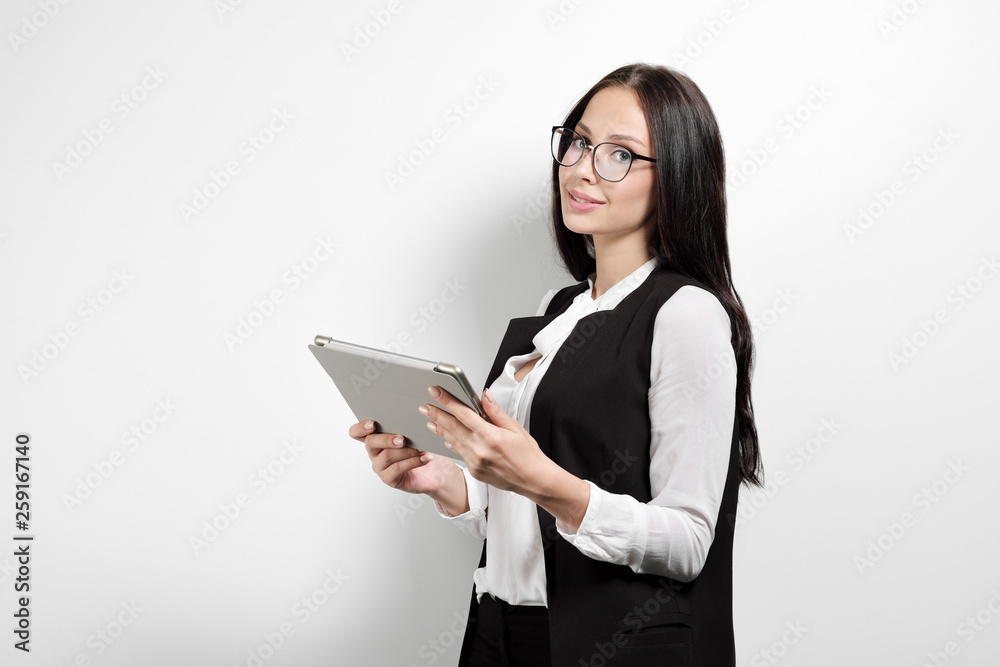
<point x="612" y="161"/>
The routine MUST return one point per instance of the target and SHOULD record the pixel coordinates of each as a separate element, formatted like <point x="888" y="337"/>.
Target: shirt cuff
<point x="613" y="528"/>
<point x="586" y="524"/>
<point x="477" y="503"/>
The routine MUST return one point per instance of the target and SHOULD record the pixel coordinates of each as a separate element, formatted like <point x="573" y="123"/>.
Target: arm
<point x="470" y="518"/>
<point x="692" y="400"/>
<point x="465" y="500"/>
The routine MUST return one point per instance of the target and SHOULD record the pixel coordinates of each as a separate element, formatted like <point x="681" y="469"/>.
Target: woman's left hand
<point x="502" y="454"/>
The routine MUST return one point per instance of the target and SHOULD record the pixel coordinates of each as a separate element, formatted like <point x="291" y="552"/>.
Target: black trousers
<point x="509" y="636"/>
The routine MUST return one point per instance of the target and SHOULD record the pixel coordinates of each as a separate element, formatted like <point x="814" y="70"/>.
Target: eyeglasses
<point x="611" y="161"/>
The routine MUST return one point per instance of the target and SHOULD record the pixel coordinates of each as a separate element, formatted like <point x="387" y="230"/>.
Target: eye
<point x="622" y="155"/>
<point x="579" y="142"/>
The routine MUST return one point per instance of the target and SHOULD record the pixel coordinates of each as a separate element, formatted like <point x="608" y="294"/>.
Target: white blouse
<point x="692" y="400"/>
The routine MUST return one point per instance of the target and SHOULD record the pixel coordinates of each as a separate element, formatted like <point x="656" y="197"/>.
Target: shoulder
<point x="692" y="335"/>
<point x="693" y="311"/>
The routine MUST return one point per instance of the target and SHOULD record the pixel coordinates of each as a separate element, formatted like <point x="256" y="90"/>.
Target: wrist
<point x="562" y="494"/>
<point x="453" y="494"/>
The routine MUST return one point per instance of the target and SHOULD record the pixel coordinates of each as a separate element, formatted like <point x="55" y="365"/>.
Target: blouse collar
<point x="619" y="290"/>
<point x="553" y="334"/>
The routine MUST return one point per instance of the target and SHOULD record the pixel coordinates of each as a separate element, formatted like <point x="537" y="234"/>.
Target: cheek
<point x="631" y="202"/>
<point x="642" y="198"/>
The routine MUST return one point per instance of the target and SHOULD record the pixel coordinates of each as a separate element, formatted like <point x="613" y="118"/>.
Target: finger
<point x="385" y="458"/>
<point x="441" y="421"/>
<point x="459" y="411"/>
<point x="399" y="463"/>
<point x="494" y="412"/>
<point x="409" y="463"/>
<point x="361" y="429"/>
<point x="459" y="448"/>
<point x="376" y="442"/>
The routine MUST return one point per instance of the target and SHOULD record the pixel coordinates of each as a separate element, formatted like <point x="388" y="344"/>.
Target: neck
<point x="616" y="259"/>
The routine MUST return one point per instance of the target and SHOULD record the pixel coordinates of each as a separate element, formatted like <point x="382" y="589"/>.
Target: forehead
<point x="615" y="110"/>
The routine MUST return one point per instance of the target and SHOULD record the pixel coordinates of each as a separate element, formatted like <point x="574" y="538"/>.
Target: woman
<point x="605" y="487"/>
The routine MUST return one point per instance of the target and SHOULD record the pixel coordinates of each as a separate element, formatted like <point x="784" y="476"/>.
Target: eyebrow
<point x="617" y="137"/>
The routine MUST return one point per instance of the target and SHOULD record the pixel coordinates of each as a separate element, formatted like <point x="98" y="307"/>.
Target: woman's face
<point x="621" y="208"/>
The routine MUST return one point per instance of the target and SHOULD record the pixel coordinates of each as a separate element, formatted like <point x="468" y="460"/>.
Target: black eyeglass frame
<point x="593" y="153"/>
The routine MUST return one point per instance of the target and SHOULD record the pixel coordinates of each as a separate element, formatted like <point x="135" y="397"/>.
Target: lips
<point x="584" y="198"/>
<point x="581" y="202"/>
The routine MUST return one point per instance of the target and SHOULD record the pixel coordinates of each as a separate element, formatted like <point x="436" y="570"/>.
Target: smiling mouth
<point x="581" y="200"/>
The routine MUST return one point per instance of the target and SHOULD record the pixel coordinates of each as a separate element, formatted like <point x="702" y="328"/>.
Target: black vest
<point x="590" y="414"/>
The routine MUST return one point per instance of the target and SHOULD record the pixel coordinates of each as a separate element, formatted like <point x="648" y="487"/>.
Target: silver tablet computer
<point x="388" y="388"/>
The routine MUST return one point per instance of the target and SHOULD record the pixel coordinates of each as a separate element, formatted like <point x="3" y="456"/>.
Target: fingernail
<point x="423" y="410"/>
<point x="434" y="391"/>
<point x="426" y="457"/>
<point x="398" y="440"/>
<point x="432" y="426"/>
<point x="369" y="425"/>
<point x="489" y="396"/>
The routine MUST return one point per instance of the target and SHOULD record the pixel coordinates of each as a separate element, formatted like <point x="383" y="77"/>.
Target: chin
<point x="577" y="222"/>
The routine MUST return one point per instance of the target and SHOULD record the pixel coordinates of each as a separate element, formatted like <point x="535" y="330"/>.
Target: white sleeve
<point x="472" y="522"/>
<point x="692" y="403"/>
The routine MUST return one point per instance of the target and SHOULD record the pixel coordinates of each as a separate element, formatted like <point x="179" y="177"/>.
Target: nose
<point x="584" y="169"/>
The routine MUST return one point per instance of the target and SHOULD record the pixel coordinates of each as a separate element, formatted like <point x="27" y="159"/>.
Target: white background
<point x="823" y="106"/>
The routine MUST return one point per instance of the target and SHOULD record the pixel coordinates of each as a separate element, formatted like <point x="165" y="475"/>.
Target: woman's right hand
<point x="402" y="467"/>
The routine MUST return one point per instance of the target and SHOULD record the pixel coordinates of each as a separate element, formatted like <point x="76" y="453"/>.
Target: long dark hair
<point x="690" y="214"/>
